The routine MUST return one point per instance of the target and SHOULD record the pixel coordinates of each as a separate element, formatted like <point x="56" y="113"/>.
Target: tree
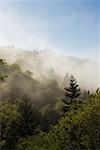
<point x="71" y="94"/>
<point x="2" y="62"/>
<point x="74" y="131"/>
<point x="2" y="74"/>
<point x="50" y="117"/>
<point x="66" y="80"/>
<point x="8" y="120"/>
<point x="28" y="118"/>
<point x="2" y="77"/>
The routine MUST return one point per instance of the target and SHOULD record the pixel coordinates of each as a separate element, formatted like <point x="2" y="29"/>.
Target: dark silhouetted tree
<point x="28" y="118"/>
<point x="71" y="93"/>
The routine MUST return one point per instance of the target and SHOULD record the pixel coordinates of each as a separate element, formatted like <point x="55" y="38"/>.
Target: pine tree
<point x="28" y="118"/>
<point x="71" y="94"/>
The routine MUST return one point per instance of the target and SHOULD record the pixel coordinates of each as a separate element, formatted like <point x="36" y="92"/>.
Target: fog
<point x="49" y="64"/>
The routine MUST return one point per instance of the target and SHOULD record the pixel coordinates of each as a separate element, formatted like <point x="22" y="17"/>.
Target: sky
<point x="69" y="26"/>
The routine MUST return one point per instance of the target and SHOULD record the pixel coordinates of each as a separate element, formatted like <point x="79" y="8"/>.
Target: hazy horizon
<point x="69" y="30"/>
<point x="67" y="27"/>
<point x="45" y="63"/>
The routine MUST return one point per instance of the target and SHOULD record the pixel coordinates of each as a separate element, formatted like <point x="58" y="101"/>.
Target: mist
<point x="49" y="64"/>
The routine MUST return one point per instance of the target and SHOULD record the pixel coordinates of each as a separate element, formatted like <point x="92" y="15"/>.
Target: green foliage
<point x="50" y="117"/>
<point x="81" y="127"/>
<point x="42" y="141"/>
<point x="71" y="94"/>
<point x="73" y="91"/>
<point x="22" y="126"/>
<point x="78" y="129"/>
<point x="58" y="106"/>
<point x="7" y="111"/>
<point x="8" y="119"/>
<point x="28" y="118"/>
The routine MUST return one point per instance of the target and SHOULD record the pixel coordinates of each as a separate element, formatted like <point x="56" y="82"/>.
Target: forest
<point x="50" y="115"/>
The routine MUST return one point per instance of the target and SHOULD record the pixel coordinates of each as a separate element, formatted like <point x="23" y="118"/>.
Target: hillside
<point x="50" y="64"/>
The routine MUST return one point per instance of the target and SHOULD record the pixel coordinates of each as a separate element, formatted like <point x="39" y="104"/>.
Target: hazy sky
<point x="71" y="26"/>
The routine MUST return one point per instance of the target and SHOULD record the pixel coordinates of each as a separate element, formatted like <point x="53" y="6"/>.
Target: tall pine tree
<point x="71" y="94"/>
<point x="28" y="118"/>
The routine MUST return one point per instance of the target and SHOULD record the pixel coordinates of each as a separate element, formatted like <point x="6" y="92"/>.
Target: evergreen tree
<point x="66" y="80"/>
<point x="28" y="118"/>
<point x="71" y="94"/>
<point x="8" y="120"/>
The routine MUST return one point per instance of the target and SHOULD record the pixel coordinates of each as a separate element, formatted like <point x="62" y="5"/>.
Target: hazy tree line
<point x="36" y="116"/>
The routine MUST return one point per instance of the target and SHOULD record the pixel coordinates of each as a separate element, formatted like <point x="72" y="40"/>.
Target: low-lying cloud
<point x="50" y="64"/>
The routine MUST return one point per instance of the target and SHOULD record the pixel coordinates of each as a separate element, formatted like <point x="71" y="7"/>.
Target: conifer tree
<point x="71" y="93"/>
<point x="28" y="118"/>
